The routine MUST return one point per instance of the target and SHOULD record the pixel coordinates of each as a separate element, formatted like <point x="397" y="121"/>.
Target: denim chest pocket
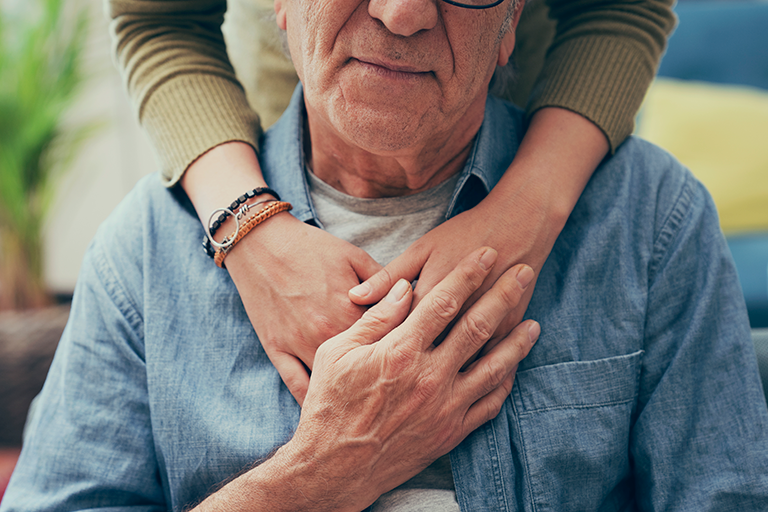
<point x="573" y="423"/>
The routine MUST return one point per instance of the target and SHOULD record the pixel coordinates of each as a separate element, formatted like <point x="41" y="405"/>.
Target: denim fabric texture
<point x="642" y="392"/>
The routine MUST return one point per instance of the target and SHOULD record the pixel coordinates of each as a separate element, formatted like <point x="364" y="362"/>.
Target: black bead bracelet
<point x="238" y="202"/>
<point x="207" y="247"/>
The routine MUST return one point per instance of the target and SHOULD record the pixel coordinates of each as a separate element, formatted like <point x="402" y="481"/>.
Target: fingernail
<point x="533" y="332"/>
<point x="525" y="276"/>
<point x="488" y="259"/>
<point x="398" y="291"/>
<point x="361" y="290"/>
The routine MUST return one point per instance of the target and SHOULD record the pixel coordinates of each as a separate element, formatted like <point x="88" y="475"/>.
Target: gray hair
<point x="504" y="76"/>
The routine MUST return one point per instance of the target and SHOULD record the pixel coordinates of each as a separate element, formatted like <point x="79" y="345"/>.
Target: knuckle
<point x="523" y="349"/>
<point x="477" y="327"/>
<point x="429" y="387"/>
<point x="399" y="361"/>
<point x="445" y="305"/>
<point x="322" y="327"/>
<point x="494" y="375"/>
<point x="374" y="319"/>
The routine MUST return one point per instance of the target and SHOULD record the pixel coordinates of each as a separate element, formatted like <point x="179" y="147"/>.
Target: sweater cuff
<point x="190" y="114"/>
<point x="598" y="78"/>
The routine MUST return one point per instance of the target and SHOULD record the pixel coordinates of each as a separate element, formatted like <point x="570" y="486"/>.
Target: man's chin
<point x="381" y="129"/>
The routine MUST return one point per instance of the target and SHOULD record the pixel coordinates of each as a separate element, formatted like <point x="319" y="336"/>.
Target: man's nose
<point x="405" y="17"/>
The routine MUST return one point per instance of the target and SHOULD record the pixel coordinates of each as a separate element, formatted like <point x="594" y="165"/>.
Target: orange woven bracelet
<point x="254" y="220"/>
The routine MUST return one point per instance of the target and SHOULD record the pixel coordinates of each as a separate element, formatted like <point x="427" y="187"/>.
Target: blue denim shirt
<point x="641" y="393"/>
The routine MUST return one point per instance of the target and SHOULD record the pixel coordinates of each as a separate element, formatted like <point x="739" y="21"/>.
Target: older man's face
<point x="391" y="74"/>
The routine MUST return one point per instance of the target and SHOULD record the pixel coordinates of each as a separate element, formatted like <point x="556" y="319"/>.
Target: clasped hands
<point x="296" y="289"/>
<point x="384" y="402"/>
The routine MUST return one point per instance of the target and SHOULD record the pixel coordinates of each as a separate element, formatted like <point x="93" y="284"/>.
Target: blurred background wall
<point x="105" y="169"/>
<point x="111" y="162"/>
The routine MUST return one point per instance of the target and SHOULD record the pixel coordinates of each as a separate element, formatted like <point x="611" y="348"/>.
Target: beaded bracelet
<point x="255" y="219"/>
<point x="236" y="204"/>
<point x="209" y="244"/>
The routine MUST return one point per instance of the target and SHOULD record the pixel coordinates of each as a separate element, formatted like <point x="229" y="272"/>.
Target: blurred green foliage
<point x="41" y="49"/>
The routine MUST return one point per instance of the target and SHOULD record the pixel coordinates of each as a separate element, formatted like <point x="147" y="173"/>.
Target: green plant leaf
<point x="41" y="51"/>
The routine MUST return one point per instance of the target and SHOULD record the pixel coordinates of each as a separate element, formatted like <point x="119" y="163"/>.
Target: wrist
<point x="297" y="478"/>
<point x="557" y="156"/>
<point x="537" y="188"/>
<point x="267" y="238"/>
<point x="272" y="208"/>
<point x="281" y="483"/>
<point x="219" y="176"/>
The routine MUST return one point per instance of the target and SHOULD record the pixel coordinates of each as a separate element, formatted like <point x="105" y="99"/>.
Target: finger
<point x="406" y="266"/>
<point x="443" y="303"/>
<point x="490" y="371"/>
<point x="511" y="321"/>
<point x="294" y="374"/>
<point x="488" y="407"/>
<point x="378" y="321"/>
<point x="476" y="326"/>
<point x="432" y="272"/>
<point x="365" y="267"/>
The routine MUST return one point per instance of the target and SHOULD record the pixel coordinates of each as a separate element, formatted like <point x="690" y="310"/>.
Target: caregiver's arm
<point x="597" y="70"/>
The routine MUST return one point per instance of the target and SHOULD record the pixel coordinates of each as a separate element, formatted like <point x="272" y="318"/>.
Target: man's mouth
<point x="390" y="69"/>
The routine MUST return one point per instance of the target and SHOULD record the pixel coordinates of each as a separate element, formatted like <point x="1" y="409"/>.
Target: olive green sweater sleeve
<point x="173" y="58"/>
<point x="174" y="62"/>
<point x="602" y="60"/>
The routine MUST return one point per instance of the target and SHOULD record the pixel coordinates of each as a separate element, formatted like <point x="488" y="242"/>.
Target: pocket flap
<point x="579" y="384"/>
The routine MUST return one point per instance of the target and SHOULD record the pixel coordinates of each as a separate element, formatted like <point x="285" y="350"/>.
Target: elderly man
<point x="640" y="393"/>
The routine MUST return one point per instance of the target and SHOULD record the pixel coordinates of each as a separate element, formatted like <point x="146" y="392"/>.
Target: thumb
<point x="378" y="321"/>
<point x="365" y="266"/>
<point x="406" y="266"/>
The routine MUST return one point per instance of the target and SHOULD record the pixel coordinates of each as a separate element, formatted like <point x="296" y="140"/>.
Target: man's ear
<point x="506" y="47"/>
<point x="280" y="12"/>
<point x="508" y="41"/>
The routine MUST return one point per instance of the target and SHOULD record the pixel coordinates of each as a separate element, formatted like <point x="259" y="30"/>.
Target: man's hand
<point x="395" y="402"/>
<point x="384" y="402"/>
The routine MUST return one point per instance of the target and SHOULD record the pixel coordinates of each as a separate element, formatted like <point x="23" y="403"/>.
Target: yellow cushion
<point x="721" y="134"/>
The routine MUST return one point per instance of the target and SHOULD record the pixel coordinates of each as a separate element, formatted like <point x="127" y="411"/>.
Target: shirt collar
<point x="282" y="156"/>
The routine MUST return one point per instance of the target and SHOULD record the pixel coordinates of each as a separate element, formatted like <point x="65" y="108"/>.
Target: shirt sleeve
<point x="174" y="62"/>
<point x="602" y="60"/>
<point x="699" y="438"/>
<point x="90" y="444"/>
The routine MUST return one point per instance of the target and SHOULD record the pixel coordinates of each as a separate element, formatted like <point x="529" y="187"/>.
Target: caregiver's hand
<point x="521" y="217"/>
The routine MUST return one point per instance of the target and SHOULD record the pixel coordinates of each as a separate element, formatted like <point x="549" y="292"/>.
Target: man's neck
<point x="350" y="169"/>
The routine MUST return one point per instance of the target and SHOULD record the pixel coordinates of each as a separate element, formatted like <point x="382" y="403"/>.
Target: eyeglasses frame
<point x="467" y="6"/>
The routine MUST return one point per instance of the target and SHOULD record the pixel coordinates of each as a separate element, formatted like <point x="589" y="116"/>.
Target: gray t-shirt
<point x="384" y="228"/>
